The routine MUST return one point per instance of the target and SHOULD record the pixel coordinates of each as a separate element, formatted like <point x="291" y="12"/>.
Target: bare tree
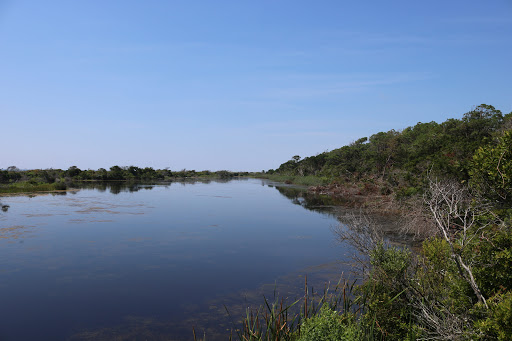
<point x="361" y="232"/>
<point x="416" y="221"/>
<point x="455" y="215"/>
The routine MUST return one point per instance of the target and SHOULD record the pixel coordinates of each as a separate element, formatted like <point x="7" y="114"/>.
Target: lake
<point x="129" y="262"/>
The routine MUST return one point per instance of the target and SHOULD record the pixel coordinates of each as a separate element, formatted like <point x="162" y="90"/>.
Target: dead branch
<point x="455" y="215"/>
<point x="362" y="233"/>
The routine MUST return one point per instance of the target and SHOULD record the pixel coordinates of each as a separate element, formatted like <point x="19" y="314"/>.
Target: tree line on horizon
<point x="116" y="173"/>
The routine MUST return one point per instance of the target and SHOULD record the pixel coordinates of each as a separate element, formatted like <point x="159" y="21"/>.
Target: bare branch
<point x="455" y="214"/>
<point x="362" y="233"/>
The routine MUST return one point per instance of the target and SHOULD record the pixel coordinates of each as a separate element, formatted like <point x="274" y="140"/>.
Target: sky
<point x="237" y="85"/>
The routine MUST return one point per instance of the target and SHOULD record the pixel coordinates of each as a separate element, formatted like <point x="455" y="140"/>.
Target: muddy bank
<point x="401" y="222"/>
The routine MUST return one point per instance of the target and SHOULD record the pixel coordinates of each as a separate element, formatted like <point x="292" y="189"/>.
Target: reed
<point x="278" y="319"/>
<point x="341" y="313"/>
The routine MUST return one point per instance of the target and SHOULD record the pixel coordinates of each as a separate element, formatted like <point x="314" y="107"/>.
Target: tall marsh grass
<point x="279" y="319"/>
<point x="342" y="314"/>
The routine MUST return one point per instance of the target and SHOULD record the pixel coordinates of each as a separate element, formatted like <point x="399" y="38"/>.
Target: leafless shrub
<point x="455" y="214"/>
<point x="416" y="221"/>
<point x="362" y="232"/>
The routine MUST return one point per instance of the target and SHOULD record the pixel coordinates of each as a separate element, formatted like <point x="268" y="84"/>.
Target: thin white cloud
<point x="334" y="87"/>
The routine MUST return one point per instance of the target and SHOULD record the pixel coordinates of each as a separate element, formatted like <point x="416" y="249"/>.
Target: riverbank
<point x="370" y="194"/>
<point x="309" y="180"/>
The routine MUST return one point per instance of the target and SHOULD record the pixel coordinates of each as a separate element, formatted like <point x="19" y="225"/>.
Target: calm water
<point x="150" y="262"/>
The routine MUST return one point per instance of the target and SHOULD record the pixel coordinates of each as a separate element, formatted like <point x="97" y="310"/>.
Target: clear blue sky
<point x="238" y="85"/>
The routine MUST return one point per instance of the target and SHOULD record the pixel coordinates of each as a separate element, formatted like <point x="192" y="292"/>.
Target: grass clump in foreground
<point x="373" y="310"/>
<point x="347" y="314"/>
<point x="329" y="316"/>
<point x="329" y="325"/>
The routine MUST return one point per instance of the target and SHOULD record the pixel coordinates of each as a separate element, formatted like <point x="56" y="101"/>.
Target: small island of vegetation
<point x="15" y="180"/>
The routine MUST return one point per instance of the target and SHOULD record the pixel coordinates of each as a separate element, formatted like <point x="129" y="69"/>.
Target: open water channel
<point x="137" y="262"/>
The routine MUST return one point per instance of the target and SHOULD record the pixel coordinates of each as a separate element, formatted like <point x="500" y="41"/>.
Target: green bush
<point x="498" y="324"/>
<point x="392" y="261"/>
<point x="406" y="192"/>
<point x="60" y="186"/>
<point x="329" y="325"/>
<point x="387" y="311"/>
<point x="491" y="171"/>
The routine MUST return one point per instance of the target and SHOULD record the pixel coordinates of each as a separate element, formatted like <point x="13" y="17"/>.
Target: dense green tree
<point x="116" y="173"/>
<point x="134" y="171"/>
<point x="491" y="170"/>
<point x="73" y="171"/>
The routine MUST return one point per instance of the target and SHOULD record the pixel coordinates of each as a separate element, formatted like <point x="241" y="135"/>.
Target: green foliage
<point x="436" y="252"/>
<point x="329" y="325"/>
<point x="383" y="295"/>
<point x="73" y="171"/>
<point x="431" y="294"/>
<point x="27" y="186"/>
<point x="498" y="324"/>
<point x="60" y="186"/>
<point x="438" y="281"/>
<point x="309" y="317"/>
<point x="16" y="180"/>
<point x="116" y="173"/>
<point x="402" y="158"/>
<point x="491" y="171"/>
<point x="309" y="180"/>
<point x="224" y="174"/>
<point x="492" y="256"/>
<point x="406" y="192"/>
<point x="392" y="262"/>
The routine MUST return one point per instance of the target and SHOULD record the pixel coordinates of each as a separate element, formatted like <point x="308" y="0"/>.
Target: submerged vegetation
<point x="453" y="183"/>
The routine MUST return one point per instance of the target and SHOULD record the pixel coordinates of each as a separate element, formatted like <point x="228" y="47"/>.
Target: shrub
<point x="498" y="324"/>
<point x="387" y="310"/>
<point x="328" y="325"/>
<point x="60" y="186"/>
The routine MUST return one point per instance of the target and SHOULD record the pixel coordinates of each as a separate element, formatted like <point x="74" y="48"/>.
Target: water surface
<point x="134" y="262"/>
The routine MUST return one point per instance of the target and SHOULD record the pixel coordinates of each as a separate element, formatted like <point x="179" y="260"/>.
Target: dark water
<point x="149" y="262"/>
